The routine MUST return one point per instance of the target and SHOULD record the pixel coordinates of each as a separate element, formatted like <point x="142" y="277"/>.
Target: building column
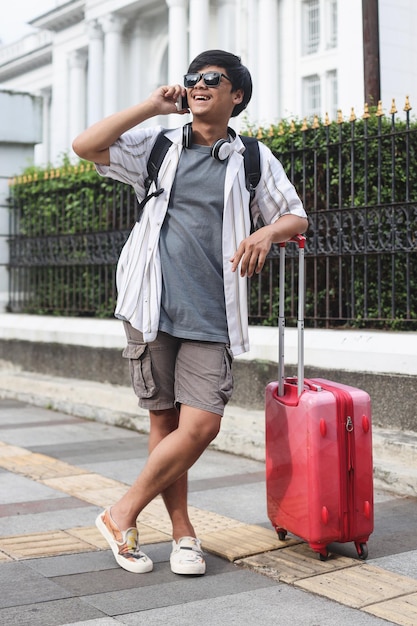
<point x="226" y="25"/>
<point x="199" y="27"/>
<point x="267" y="81"/>
<point x="77" y="63"/>
<point x="138" y="59"/>
<point x="42" y="151"/>
<point x="178" y="39"/>
<point x="113" y="27"/>
<point x="95" y="72"/>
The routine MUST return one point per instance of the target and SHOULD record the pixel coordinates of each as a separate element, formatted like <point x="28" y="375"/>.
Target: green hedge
<point x="360" y="163"/>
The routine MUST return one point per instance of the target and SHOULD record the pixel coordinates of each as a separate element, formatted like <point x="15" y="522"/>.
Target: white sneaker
<point x="187" y="557"/>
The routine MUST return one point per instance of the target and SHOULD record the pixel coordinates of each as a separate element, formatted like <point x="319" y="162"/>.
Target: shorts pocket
<point x="140" y="365"/>
<point x="226" y="378"/>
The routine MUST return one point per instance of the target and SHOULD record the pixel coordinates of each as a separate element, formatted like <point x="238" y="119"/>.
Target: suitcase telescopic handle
<point x="300" y="241"/>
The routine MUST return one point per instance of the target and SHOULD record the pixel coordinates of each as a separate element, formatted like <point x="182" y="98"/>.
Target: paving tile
<point x="60" y="503"/>
<point x="404" y="563"/>
<point x="92" y="488"/>
<point x="88" y="451"/>
<point x="101" y="621"/>
<point x="65" y="564"/>
<point x="359" y="586"/>
<point x="7" y="450"/>
<point x="48" y="520"/>
<point x="54" y="613"/>
<point x="79" y="431"/>
<point x="20" y="585"/>
<point x="37" y="423"/>
<point x="39" y="466"/>
<point x="240" y="541"/>
<point x="401" y="610"/>
<point x="90" y="535"/>
<point x="247" y="503"/>
<point x="124" y="471"/>
<point x="293" y="563"/>
<point x="181" y="590"/>
<point x="42" y="544"/>
<point x="15" y="489"/>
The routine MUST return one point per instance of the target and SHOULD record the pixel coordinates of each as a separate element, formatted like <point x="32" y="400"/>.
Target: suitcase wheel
<point x="324" y="554"/>
<point x="362" y="550"/>
<point x="282" y="533"/>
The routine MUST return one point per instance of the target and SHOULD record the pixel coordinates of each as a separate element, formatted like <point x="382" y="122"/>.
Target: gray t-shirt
<point x="190" y="246"/>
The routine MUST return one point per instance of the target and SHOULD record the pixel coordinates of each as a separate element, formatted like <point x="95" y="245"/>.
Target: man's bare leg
<point x="167" y="462"/>
<point x="175" y="496"/>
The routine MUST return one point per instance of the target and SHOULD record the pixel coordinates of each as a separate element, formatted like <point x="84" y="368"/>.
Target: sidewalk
<point x="58" y="470"/>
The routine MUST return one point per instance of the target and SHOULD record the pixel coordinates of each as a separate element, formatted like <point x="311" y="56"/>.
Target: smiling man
<point x="181" y="281"/>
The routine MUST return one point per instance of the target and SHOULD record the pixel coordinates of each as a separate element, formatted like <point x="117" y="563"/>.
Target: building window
<point x="331" y="26"/>
<point x="311" y="95"/>
<point x="311" y="26"/>
<point x="332" y="93"/>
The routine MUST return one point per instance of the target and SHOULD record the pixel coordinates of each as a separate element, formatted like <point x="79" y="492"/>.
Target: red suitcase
<point x="319" y="470"/>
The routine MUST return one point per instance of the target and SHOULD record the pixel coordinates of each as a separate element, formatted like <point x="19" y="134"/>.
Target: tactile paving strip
<point x="39" y="467"/>
<point x="92" y="488"/>
<point x="296" y="562"/>
<point x="403" y="610"/>
<point x="359" y="586"/>
<point x="44" y="544"/>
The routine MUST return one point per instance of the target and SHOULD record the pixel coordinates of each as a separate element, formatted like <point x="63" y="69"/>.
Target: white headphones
<point x="220" y="150"/>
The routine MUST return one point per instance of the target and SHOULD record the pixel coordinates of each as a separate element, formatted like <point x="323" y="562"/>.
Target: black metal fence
<point x="357" y="179"/>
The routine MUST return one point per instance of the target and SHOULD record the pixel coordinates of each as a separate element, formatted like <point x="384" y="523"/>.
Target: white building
<point x="89" y="58"/>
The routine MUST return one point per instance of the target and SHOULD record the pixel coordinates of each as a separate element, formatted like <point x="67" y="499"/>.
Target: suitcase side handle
<point x="300" y="241"/>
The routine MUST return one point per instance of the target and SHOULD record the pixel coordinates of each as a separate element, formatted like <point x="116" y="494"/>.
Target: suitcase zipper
<point x="345" y="433"/>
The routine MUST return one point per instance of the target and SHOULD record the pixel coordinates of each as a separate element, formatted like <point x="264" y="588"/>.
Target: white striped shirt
<point x="138" y="276"/>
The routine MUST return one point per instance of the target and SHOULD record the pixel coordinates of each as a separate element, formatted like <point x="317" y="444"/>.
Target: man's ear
<point x="238" y="96"/>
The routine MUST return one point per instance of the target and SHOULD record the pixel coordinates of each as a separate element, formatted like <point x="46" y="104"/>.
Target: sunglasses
<point x="211" y="79"/>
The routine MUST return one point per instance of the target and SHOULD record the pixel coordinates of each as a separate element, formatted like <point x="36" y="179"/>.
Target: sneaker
<point x="124" y="544"/>
<point x="187" y="557"/>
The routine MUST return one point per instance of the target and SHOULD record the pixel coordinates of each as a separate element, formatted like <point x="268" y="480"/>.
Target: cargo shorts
<point x="170" y="371"/>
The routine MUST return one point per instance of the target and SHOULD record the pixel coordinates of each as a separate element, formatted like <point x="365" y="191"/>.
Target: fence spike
<point x="407" y="106"/>
<point x="352" y="117"/>
<point x="379" y="111"/>
<point x="304" y="125"/>
<point x="292" y="127"/>
<point x="316" y="122"/>
<point x="281" y="130"/>
<point x="327" y="120"/>
<point x="393" y="109"/>
<point x="271" y="131"/>
<point x="339" y="119"/>
<point x="259" y="134"/>
<point x="365" y="112"/>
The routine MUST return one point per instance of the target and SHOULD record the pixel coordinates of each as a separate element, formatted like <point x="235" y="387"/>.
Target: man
<point x="181" y="281"/>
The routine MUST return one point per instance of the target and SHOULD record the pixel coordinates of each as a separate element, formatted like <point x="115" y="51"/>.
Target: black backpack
<point x="160" y="148"/>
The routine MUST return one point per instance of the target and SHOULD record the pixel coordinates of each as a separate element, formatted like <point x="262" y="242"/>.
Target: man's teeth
<point x="201" y="98"/>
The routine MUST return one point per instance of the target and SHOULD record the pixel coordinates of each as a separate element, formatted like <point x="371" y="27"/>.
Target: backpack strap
<point x="252" y="162"/>
<point x="157" y="155"/>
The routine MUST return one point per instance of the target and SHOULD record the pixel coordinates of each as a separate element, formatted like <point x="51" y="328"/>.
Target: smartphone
<point x="182" y="103"/>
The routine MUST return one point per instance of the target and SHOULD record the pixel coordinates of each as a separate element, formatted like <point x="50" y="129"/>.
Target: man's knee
<point x="202" y="426"/>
